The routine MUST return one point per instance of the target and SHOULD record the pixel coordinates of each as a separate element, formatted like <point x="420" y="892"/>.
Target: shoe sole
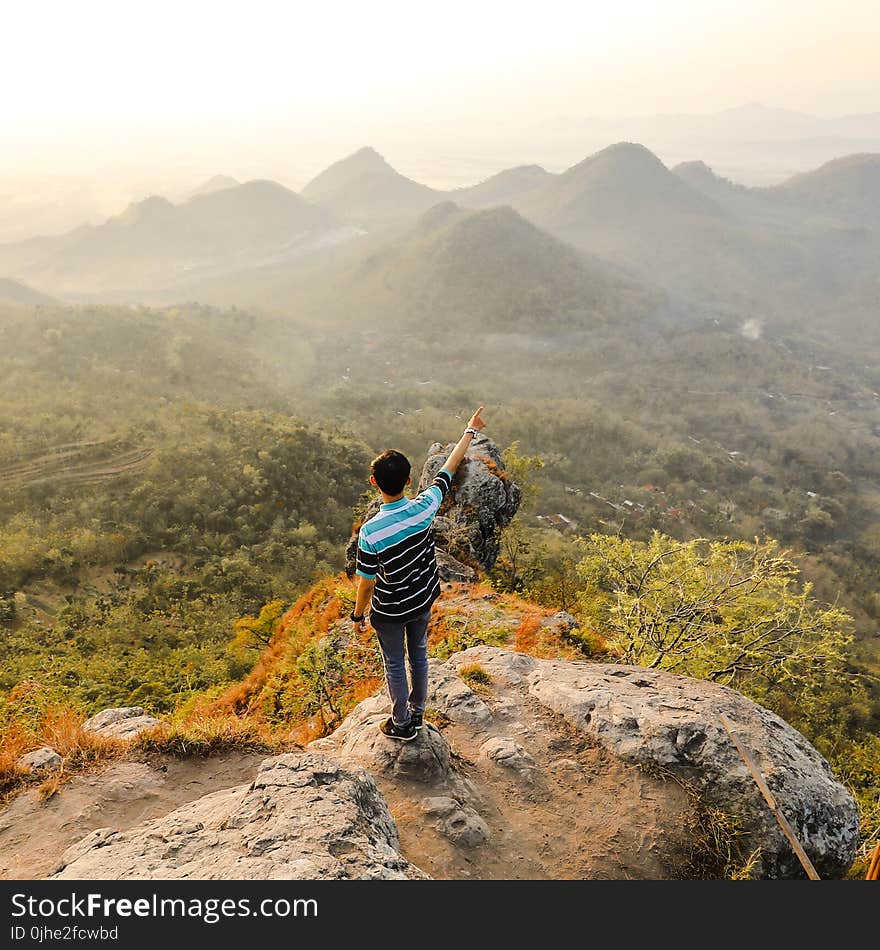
<point x="400" y="738"/>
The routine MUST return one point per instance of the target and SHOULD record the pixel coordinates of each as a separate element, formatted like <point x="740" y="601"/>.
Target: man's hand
<point x="457" y="454"/>
<point x="476" y="421"/>
<point x="360" y="626"/>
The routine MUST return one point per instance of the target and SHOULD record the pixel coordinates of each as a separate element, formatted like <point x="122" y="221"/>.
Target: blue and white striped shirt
<point x="396" y="546"/>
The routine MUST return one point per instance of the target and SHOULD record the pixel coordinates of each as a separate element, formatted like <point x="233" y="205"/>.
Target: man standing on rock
<point x="398" y="578"/>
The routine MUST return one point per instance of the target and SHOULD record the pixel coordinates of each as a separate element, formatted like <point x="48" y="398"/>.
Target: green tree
<point x="255" y="633"/>
<point x="728" y="611"/>
<point x="321" y="668"/>
<point x="514" y="567"/>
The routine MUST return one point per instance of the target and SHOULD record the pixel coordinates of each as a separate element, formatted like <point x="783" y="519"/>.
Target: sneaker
<point x="417" y="719"/>
<point x="404" y="733"/>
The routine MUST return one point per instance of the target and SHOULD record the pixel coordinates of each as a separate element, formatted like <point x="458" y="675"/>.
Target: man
<point x="398" y="579"/>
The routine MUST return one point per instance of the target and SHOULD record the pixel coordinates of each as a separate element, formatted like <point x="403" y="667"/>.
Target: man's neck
<point x="388" y="499"/>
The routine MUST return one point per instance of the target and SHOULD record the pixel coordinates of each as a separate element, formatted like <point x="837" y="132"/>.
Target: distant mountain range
<point x="215" y="183"/>
<point x="365" y="189"/>
<point x="476" y="271"/>
<point x="795" y="246"/>
<point x="13" y="291"/>
<point x="155" y="246"/>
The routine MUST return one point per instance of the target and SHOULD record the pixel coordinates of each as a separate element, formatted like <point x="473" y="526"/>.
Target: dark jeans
<point x="393" y="637"/>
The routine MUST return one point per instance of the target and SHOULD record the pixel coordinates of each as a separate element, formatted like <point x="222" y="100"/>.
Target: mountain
<point x="688" y="232"/>
<point x="848" y="187"/>
<point x="154" y="245"/>
<point x="701" y="177"/>
<point x="480" y="271"/>
<point x="366" y="190"/>
<point x="12" y="291"/>
<point x="215" y="183"/>
<point x="623" y="185"/>
<point x="506" y="187"/>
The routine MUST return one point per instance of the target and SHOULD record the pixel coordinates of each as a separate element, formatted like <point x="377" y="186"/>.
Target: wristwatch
<point x="472" y="430"/>
<point x="353" y="617"/>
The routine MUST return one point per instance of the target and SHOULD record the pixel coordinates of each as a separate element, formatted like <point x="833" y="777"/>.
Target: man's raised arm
<point x="474" y="426"/>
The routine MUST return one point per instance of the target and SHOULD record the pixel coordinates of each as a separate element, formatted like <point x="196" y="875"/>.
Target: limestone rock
<point x="504" y="666"/>
<point x="454" y="698"/>
<point x="303" y="817"/>
<point x="650" y="717"/>
<point x="45" y="759"/>
<point x="122" y="722"/>
<point x="458" y="821"/>
<point x="562" y="621"/>
<point x="508" y="753"/>
<point x="484" y="501"/>
<point x="425" y="759"/>
<point x="451" y="569"/>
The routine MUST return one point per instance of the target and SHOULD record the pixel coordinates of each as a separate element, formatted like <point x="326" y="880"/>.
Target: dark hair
<point x="391" y="470"/>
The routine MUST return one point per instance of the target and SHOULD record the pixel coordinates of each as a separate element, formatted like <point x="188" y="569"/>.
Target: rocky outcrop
<point x="622" y="754"/>
<point x="122" y="722"/>
<point x="45" y="759"/>
<point x="359" y="740"/>
<point x="303" y="817"/>
<point x="652" y="718"/>
<point x="482" y="503"/>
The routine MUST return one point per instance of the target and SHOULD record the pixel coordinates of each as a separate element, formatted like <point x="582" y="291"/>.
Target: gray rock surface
<point x="454" y="698"/>
<point x="484" y="501"/>
<point x="45" y="759"/>
<point x="358" y="739"/>
<point x="121" y="722"/>
<point x="458" y="821"/>
<point x="303" y="817"/>
<point x="451" y="569"/>
<point x="508" y="753"/>
<point x="653" y="718"/>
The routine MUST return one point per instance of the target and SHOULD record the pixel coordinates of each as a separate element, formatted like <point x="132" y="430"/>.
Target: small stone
<point x="510" y="754"/>
<point x="465" y="828"/>
<point x="45" y="759"/>
<point x="439" y="805"/>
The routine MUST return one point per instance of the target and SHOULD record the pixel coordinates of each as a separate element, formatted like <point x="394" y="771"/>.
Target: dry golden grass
<point x="249" y="716"/>
<point x="60" y="728"/>
<point x="202" y="734"/>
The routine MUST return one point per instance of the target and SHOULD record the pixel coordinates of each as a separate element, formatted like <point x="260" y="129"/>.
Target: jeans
<point x="393" y="636"/>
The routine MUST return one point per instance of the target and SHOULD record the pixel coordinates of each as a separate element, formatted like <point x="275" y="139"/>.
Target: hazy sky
<point x="160" y="60"/>
<point x="91" y="80"/>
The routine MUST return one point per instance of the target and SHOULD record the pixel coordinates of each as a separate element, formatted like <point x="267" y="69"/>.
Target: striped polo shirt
<point x="396" y="547"/>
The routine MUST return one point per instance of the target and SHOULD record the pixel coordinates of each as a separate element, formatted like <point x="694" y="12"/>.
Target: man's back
<point x="396" y="547"/>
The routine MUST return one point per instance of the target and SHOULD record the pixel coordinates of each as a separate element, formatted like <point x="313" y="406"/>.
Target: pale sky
<point x="86" y="78"/>
<point x="160" y="60"/>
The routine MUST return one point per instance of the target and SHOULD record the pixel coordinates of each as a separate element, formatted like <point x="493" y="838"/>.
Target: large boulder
<point x="425" y="759"/>
<point x="121" y="722"/>
<point x="651" y="718"/>
<point x="482" y="502"/>
<point x="303" y="817"/>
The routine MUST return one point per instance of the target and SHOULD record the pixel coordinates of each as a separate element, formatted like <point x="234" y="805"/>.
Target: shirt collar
<point x="393" y="505"/>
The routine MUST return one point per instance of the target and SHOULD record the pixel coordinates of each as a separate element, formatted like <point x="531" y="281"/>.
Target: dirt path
<point x="34" y="834"/>
<point x="583" y="815"/>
